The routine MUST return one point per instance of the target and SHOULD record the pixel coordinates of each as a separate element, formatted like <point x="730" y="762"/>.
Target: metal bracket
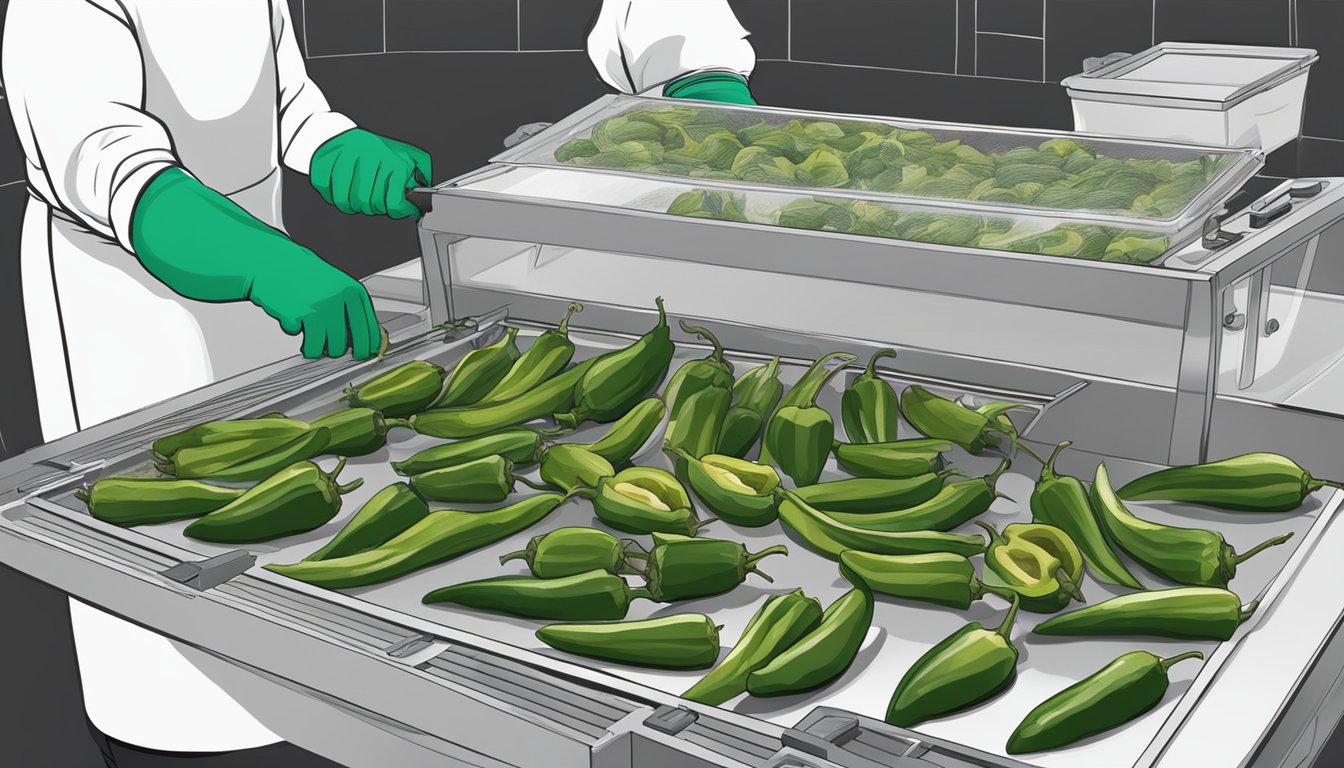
<point x="211" y="572"/>
<point x="1092" y="64"/>
<point x="409" y="646"/>
<point x="1215" y="237"/>
<point x="826" y="739"/>
<point x="671" y="720"/>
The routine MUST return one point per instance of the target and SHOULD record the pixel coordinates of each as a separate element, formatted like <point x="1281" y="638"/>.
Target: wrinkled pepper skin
<point x="294" y="500"/>
<point x="555" y="394"/>
<point x="755" y="395"/>
<point x="1061" y="501"/>
<point x="686" y="641"/>
<point x="1192" y="556"/>
<point x="574" y="550"/>
<point x="572" y="467"/>
<point x="800" y="434"/>
<point x="901" y="459"/>
<point x="618" y="380"/>
<point x="823" y="654"/>
<point x="737" y="491"/>
<point x="955" y="504"/>
<point x="441" y="536"/>
<point x="870" y="407"/>
<point x="520" y="445"/>
<point x="712" y="372"/>
<point x="478" y="372"/>
<point x="276" y="428"/>
<point x="1040" y="563"/>
<point x="592" y="596"/>
<point x="875" y="494"/>
<point x="1252" y="482"/>
<point x="941" y="578"/>
<point x="403" y="391"/>
<point x="388" y="513"/>
<point x="686" y="568"/>
<point x="780" y="623"/>
<point x="549" y="354"/>
<point x="1120" y="692"/>
<point x="694" y="426"/>
<point x="644" y="500"/>
<point x="244" y="460"/>
<point x="632" y="434"/>
<point x="483" y="481"/>
<point x="1197" y="613"/>
<point x="830" y="538"/>
<point x="803" y="392"/>
<point x="354" y="431"/>
<point x="131" y="501"/>
<point x="970" y="666"/>
<point x="943" y="419"/>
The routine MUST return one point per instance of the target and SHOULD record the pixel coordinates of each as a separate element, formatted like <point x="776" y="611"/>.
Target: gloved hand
<point x="725" y="87"/>
<point x="203" y="246"/>
<point x="362" y="172"/>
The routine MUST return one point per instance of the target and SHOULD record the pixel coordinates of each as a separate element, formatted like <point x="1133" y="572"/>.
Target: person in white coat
<point x="154" y="257"/>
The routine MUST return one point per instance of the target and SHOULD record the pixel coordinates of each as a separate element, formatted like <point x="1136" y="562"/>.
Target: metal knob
<point x="1271" y="327"/>
<point x="1234" y="321"/>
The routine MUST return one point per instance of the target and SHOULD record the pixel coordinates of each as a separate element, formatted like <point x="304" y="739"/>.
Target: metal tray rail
<point x="902" y="631"/>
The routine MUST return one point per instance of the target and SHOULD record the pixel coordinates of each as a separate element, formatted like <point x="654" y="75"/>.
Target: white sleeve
<point x="306" y="120"/>
<point x="75" y="79"/>
<point x="640" y="45"/>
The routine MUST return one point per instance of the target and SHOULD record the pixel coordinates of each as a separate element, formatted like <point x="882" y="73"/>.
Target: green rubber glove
<point x="725" y="87"/>
<point x="203" y="246"/>
<point x="362" y="172"/>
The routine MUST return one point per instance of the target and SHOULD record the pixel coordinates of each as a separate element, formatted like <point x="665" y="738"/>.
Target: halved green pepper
<point x="1038" y="562"/>
<point x="645" y="500"/>
<point x="736" y="490"/>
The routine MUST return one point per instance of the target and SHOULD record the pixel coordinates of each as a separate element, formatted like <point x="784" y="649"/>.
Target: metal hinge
<point x="211" y="572"/>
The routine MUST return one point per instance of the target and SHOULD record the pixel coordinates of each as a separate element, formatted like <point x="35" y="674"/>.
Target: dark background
<point x="457" y="76"/>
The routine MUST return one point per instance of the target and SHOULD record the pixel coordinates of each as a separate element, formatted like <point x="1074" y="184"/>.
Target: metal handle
<point x="1093" y="64"/>
<point x="1214" y="235"/>
<point x="523" y="133"/>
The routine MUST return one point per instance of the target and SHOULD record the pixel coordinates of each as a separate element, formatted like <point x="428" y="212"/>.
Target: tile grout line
<point x="788" y="29"/>
<point x="956" y="36"/>
<point x="517" y="23"/>
<point x="918" y="72"/>
<point x="303" y="4"/>
<point x="975" y="59"/>
<point x="1012" y="34"/>
<point x="1044" y="14"/>
<point x="384" y="26"/>
<point x="1153" y="27"/>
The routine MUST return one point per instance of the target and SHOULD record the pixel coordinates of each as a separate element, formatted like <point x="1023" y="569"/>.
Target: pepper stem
<point x="394" y="423"/>
<point x="519" y="555"/>
<point x="582" y="490"/>
<point x="531" y="484"/>
<point x="1248" y="610"/>
<point x="1005" y="628"/>
<point x="350" y="486"/>
<point x="980" y="589"/>
<point x="1236" y="559"/>
<point x="1068" y="587"/>
<point x="1048" y="466"/>
<point x="704" y="333"/>
<point x="993" y="477"/>
<point x="550" y="431"/>
<point x="994" y="536"/>
<point x="662" y="312"/>
<point x="82" y="494"/>
<point x="571" y="419"/>
<point x="1166" y="664"/>
<point x="811" y="383"/>
<point x="753" y="559"/>
<point x="871" y="370"/>
<point x="334" y="473"/>
<point x="574" y="306"/>
<point x="698" y="524"/>
<point x="1022" y="446"/>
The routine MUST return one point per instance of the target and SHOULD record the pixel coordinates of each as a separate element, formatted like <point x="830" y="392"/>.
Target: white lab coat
<point x="107" y="93"/>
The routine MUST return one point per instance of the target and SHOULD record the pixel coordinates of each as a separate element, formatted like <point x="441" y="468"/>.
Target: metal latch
<point x="828" y="736"/>
<point x="409" y="646"/>
<point x="523" y="133"/>
<point x="1092" y="64"/>
<point x="671" y="720"/>
<point x="1302" y="190"/>
<point x="1264" y="212"/>
<point x="211" y="572"/>
<point x="1215" y="237"/>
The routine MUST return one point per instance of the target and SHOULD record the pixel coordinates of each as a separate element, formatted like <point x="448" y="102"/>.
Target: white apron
<point x="217" y="86"/>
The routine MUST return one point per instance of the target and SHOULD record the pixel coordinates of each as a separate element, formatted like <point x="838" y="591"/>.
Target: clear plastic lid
<point x="1040" y="234"/>
<point x="1122" y="181"/>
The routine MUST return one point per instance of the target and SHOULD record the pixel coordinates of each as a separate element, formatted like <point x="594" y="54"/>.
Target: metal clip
<point x="1215" y="237"/>
<point x="211" y="572"/>
<point x="671" y="720"/>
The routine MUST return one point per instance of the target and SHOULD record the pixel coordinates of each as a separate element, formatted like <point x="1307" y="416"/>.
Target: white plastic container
<point x="1232" y="95"/>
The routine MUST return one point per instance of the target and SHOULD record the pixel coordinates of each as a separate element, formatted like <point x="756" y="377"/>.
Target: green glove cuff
<point x="196" y="241"/>
<point x="725" y="87"/>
